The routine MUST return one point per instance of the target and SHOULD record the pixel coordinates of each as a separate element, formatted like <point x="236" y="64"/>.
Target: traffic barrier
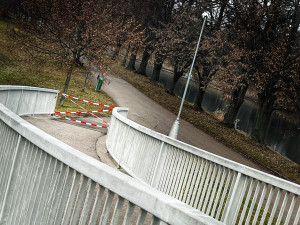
<point x="84" y="100"/>
<point x="86" y="111"/>
<point x="83" y="122"/>
<point x="82" y="112"/>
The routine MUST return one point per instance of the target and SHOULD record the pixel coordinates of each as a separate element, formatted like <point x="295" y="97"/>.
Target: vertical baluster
<point x="117" y="211"/>
<point x="209" y="195"/>
<point x="142" y="217"/>
<point x="7" y="161"/>
<point x="190" y="174"/>
<point x="128" y="214"/>
<point x="224" y="194"/>
<point x="159" y="165"/>
<point x="290" y="211"/>
<point x="262" y="196"/>
<point x="76" y="183"/>
<point x="45" y="190"/>
<point x="65" y="195"/>
<point x="4" y="155"/>
<point x="155" y="221"/>
<point x="202" y="177"/>
<point x="283" y="205"/>
<point x="185" y="160"/>
<point x="13" y="179"/>
<point x="52" y="203"/>
<point x="204" y="189"/>
<point x="219" y="190"/>
<point x="79" y="202"/>
<point x="195" y="176"/>
<point x="174" y="173"/>
<point x="213" y="194"/>
<point x="51" y="188"/>
<point x="177" y="173"/>
<point x="24" y="212"/>
<point x="199" y="177"/>
<point x="270" y="196"/>
<point x="173" y="165"/>
<point x="297" y="218"/>
<point x="155" y="158"/>
<point x="87" y="202"/>
<point x="57" y="195"/>
<point x="39" y="191"/>
<point x="96" y="205"/>
<point x="106" y="208"/>
<point x="274" y="206"/>
<point x="250" y="212"/>
<point x="167" y="169"/>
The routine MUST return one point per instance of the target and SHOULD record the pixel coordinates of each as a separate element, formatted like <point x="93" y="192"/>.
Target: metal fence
<point x="44" y="181"/>
<point x="23" y="100"/>
<point x="226" y="190"/>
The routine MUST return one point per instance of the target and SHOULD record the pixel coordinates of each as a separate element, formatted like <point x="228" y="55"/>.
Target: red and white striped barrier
<point x="79" y="112"/>
<point x="83" y="122"/>
<point x="69" y="97"/>
<point x="83" y="100"/>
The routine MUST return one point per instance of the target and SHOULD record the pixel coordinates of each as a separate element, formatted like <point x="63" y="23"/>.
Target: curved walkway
<point x="148" y="113"/>
<point x="142" y="110"/>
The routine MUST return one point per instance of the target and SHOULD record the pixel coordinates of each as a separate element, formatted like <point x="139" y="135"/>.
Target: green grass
<point x="277" y="164"/>
<point x="19" y="68"/>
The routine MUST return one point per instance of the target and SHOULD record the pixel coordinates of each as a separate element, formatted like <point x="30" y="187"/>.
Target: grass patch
<point x="277" y="164"/>
<point x="18" y="68"/>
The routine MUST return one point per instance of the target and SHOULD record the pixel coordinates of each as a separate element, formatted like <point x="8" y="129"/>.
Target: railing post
<point x="9" y="179"/>
<point x="6" y="100"/>
<point x="19" y="102"/>
<point x="235" y="199"/>
<point x="159" y="166"/>
<point x="36" y="98"/>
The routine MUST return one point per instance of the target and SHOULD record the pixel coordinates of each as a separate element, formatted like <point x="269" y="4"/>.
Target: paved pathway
<point x="146" y="112"/>
<point x="142" y="110"/>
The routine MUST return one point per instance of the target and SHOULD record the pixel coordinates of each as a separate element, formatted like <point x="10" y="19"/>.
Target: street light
<point x="174" y="130"/>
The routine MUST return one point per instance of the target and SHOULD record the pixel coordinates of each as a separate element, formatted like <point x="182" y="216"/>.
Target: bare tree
<point x="66" y="30"/>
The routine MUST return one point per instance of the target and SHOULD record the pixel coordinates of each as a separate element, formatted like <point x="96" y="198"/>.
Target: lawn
<point x="17" y="67"/>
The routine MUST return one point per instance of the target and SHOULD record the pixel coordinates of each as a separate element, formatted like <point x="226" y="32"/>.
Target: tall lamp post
<point x="174" y="130"/>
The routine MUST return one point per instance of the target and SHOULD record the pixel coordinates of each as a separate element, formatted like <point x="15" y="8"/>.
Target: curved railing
<point x="44" y="181"/>
<point x="23" y="100"/>
<point x="226" y="190"/>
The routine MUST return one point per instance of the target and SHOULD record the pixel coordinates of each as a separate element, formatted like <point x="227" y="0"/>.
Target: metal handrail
<point x="44" y="181"/>
<point x="183" y="171"/>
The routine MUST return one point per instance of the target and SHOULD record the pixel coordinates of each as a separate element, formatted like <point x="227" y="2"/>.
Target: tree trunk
<point x="116" y="52"/>
<point x="85" y="80"/>
<point x="67" y="82"/>
<point x="144" y="62"/>
<point x="131" y="64"/>
<point x="237" y="99"/>
<point x="221" y="14"/>
<point x="200" y="95"/>
<point x="156" y="71"/>
<point x="176" y="77"/>
<point x="126" y="55"/>
<point x="265" y="110"/>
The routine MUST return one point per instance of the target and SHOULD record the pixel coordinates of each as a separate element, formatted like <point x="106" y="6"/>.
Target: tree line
<point x="247" y="45"/>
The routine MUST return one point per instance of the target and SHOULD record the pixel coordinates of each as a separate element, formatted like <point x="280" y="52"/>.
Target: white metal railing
<point x="23" y="100"/>
<point x="44" y="181"/>
<point x="226" y="190"/>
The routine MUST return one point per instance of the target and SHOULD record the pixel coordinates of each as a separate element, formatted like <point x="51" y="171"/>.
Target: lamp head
<point x="205" y="14"/>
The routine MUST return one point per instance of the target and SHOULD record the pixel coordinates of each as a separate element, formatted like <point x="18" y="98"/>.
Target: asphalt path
<point x="150" y="114"/>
